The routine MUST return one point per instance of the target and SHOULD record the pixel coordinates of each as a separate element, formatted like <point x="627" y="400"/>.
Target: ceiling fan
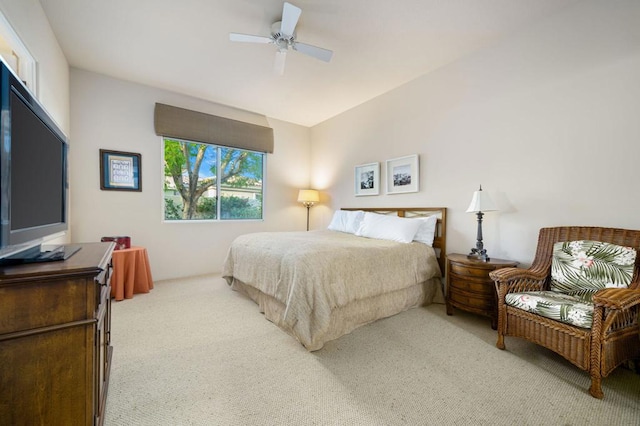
<point x="283" y="35"/>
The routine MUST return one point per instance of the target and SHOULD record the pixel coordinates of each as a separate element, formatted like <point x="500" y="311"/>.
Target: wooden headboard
<point x="440" y="240"/>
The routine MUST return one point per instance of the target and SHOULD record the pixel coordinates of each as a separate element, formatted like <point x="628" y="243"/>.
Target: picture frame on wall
<point x="367" y="179"/>
<point x="403" y="174"/>
<point x="120" y="171"/>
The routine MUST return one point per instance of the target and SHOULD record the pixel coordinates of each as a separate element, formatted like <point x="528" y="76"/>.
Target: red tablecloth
<point x="131" y="273"/>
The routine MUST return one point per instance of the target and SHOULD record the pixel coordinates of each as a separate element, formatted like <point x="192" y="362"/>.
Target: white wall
<point x="547" y="122"/>
<point x="117" y="115"/>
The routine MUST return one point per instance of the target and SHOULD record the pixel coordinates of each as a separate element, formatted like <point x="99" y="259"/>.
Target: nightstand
<point x="469" y="287"/>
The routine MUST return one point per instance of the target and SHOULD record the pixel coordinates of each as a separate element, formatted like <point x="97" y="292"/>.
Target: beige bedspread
<point x="312" y="273"/>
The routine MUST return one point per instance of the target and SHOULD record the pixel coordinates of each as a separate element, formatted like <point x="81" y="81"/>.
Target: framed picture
<point x="367" y="179"/>
<point x="120" y="171"/>
<point x="403" y="174"/>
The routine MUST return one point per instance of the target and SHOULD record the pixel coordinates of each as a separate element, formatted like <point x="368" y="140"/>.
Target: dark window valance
<point x="196" y="126"/>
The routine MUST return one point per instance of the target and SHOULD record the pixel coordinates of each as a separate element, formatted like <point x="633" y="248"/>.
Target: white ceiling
<point x="183" y="46"/>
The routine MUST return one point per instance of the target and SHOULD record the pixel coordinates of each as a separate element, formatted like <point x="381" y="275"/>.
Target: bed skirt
<point x="345" y="319"/>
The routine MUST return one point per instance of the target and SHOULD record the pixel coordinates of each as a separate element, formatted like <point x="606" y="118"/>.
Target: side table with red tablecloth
<point x="131" y="273"/>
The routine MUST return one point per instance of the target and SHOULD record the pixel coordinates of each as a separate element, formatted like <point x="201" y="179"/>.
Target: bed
<point x="322" y="284"/>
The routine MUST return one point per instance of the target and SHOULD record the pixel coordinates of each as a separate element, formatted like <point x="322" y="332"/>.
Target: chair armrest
<point x="518" y="279"/>
<point x="617" y="298"/>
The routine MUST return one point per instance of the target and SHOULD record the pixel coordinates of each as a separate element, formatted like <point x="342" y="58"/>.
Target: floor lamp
<point x="308" y="197"/>
<point x="481" y="202"/>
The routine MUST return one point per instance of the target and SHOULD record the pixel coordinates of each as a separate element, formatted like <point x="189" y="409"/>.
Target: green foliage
<point x="171" y="211"/>
<point x="206" y="208"/>
<point x="174" y="158"/>
<point x="239" y="208"/>
<point x="232" y="208"/>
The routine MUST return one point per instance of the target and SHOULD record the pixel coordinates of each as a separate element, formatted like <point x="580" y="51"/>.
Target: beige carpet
<point x="194" y="352"/>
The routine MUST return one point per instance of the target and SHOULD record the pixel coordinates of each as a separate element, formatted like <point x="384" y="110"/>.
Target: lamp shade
<point x="481" y="202"/>
<point x="308" y="196"/>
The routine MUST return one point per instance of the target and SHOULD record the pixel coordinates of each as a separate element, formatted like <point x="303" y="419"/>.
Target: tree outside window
<point x="209" y="182"/>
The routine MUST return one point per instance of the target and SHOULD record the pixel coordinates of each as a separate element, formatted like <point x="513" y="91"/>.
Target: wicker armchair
<point x="614" y="336"/>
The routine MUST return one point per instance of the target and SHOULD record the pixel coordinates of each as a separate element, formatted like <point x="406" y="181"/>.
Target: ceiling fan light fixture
<point x="283" y="35"/>
<point x="277" y="33"/>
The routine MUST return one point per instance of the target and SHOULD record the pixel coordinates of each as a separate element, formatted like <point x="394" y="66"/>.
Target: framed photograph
<point x="367" y="179"/>
<point x="403" y="174"/>
<point x="120" y="171"/>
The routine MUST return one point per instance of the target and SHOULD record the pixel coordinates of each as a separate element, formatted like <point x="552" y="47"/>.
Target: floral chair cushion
<point x="561" y="307"/>
<point x="580" y="268"/>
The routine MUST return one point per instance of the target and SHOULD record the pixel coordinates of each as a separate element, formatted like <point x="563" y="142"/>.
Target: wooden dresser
<point x="469" y="287"/>
<point x="55" y="352"/>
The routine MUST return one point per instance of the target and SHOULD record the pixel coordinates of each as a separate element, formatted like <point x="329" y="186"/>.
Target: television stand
<point x="40" y="254"/>
<point x="55" y="339"/>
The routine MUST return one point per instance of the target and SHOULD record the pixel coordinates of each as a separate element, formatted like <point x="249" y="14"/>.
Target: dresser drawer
<point x="28" y="306"/>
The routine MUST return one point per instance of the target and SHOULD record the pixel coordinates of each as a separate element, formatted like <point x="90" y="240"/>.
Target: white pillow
<point x="392" y="228"/>
<point x="346" y="221"/>
<point x="427" y="230"/>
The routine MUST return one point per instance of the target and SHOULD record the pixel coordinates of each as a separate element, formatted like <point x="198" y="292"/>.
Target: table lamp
<point x="481" y="202"/>
<point x="308" y="197"/>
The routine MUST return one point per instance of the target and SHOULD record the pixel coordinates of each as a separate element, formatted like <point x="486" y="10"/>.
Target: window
<point x="208" y="182"/>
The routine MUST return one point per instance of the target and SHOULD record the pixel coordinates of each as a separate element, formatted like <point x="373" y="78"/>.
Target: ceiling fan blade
<point x="278" y="64"/>
<point x="290" y="16"/>
<point x="249" y="38"/>
<point x="316" y="52"/>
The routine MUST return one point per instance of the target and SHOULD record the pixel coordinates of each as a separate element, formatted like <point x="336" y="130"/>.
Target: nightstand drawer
<point x="467" y="271"/>
<point x="469" y="284"/>
<point x="473" y="301"/>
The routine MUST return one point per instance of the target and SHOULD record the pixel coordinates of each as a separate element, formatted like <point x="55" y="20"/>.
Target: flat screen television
<point x="33" y="167"/>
